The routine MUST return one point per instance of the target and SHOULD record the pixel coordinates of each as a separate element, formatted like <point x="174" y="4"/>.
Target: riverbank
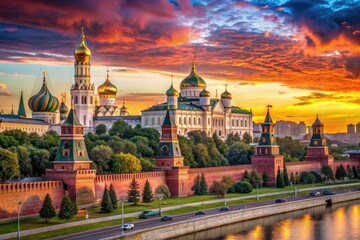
<point x="208" y="222"/>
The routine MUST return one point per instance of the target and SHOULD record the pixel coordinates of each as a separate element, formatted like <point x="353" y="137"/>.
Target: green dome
<point x="172" y="91"/>
<point x="204" y="93"/>
<point x="193" y="80"/>
<point x="226" y="94"/>
<point x="63" y="109"/>
<point x="44" y="101"/>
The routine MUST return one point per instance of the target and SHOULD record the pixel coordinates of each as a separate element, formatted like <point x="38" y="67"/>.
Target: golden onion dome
<point x="172" y="91"/>
<point x="204" y="93"/>
<point x="226" y="94"/>
<point x="107" y="89"/>
<point x="193" y="80"/>
<point x="44" y="101"/>
<point x="82" y="53"/>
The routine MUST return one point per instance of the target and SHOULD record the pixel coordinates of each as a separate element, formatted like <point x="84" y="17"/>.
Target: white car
<point x="128" y="226"/>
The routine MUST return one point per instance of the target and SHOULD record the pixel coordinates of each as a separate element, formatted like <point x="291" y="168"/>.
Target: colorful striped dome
<point x="44" y="101"/>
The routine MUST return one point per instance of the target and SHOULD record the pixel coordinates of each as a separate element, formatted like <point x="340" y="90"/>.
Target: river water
<point x="339" y="222"/>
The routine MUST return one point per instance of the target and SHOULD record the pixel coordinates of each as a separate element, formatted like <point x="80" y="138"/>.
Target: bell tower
<point x="317" y="150"/>
<point x="267" y="158"/>
<point x="82" y="91"/>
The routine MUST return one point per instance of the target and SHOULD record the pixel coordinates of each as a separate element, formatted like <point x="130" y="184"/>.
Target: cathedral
<point x="192" y="108"/>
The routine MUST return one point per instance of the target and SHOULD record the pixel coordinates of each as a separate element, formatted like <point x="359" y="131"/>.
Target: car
<point x="280" y="200"/>
<point x="328" y="192"/>
<point x="199" y="213"/>
<point x="127" y="226"/>
<point x="149" y="214"/>
<point x="224" y="209"/>
<point x="166" y="218"/>
<point x="314" y="194"/>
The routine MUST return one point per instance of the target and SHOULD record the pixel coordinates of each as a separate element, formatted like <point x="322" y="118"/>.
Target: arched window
<point x="194" y="121"/>
<point x="242" y="123"/>
<point x="199" y="121"/>
<point x="85" y="100"/>
<point x="190" y="120"/>
<point x="153" y="121"/>
<point x="84" y="119"/>
<point x="179" y="120"/>
<point x="237" y="122"/>
<point x="158" y="121"/>
<point x="245" y="123"/>
<point x="184" y="120"/>
<point x="76" y="100"/>
<point x="232" y="122"/>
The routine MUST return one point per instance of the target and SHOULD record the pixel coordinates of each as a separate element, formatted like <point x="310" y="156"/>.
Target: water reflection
<point x="341" y="221"/>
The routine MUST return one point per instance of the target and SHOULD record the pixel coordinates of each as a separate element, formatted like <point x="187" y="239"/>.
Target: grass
<point x="37" y="222"/>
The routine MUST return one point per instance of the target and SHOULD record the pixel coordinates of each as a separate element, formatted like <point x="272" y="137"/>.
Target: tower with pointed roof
<point x="318" y="150"/>
<point x="267" y="158"/>
<point x="172" y="96"/>
<point x="21" y="110"/>
<point x="123" y="110"/>
<point x="44" y="105"/>
<point x="169" y="154"/>
<point x="72" y="163"/>
<point x="82" y="90"/>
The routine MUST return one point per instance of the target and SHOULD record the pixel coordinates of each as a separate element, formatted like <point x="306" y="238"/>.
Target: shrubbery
<point x="243" y="187"/>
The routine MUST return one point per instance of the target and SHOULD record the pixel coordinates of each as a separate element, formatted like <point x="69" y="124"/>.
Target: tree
<point x="243" y="187"/>
<point x="279" y="179"/>
<point x="328" y="172"/>
<point x="126" y="163"/>
<point x="40" y="161"/>
<point x="113" y="196"/>
<point x="247" y="138"/>
<point x="255" y="178"/>
<point x="67" y="209"/>
<point x="220" y="144"/>
<point x="318" y="178"/>
<point x="219" y="188"/>
<point x="134" y="193"/>
<point x="246" y="176"/>
<point x="164" y="190"/>
<point x="355" y="172"/>
<point x="47" y="210"/>
<point x="342" y="172"/>
<point x="106" y="203"/>
<point x="307" y="177"/>
<point x="201" y="155"/>
<point x="9" y="166"/>
<point x="122" y="129"/>
<point x="239" y="153"/>
<point x="24" y="160"/>
<point x="197" y="187"/>
<point x="101" y="156"/>
<point x="100" y="129"/>
<point x="292" y="178"/>
<point x="286" y="176"/>
<point x="147" y="195"/>
<point x="265" y="179"/>
<point x="203" y="184"/>
<point x="228" y="181"/>
<point x="297" y="178"/>
<point x="186" y="146"/>
<point x="349" y="172"/>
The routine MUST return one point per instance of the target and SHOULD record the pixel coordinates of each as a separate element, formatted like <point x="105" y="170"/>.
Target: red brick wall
<point x="351" y="162"/>
<point x="30" y="194"/>
<point x="293" y="167"/>
<point x="121" y="182"/>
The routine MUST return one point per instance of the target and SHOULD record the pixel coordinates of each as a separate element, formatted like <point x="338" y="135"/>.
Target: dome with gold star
<point x="82" y="53"/>
<point x="44" y="101"/>
<point x="107" y="89"/>
<point x="193" y="80"/>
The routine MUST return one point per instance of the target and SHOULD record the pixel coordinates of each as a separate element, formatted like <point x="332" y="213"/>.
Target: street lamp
<point x="86" y="215"/>
<point x="257" y="191"/>
<point x="122" y="198"/>
<point x="160" y="196"/>
<point x="18" y="233"/>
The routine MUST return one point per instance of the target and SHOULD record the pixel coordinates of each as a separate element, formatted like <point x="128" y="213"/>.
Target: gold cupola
<point x="82" y="53"/>
<point x="107" y="89"/>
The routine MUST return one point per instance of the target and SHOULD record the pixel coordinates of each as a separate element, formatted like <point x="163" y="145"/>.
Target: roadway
<point x="155" y="222"/>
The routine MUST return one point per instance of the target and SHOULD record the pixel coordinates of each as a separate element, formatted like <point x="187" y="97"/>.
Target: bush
<point x="243" y="187"/>
<point x="318" y="178"/>
<point x="307" y="178"/>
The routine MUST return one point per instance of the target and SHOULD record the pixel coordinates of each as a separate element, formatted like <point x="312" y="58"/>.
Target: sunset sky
<point x="302" y="57"/>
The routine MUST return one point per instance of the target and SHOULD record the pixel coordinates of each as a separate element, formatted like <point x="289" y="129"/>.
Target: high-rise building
<point x="350" y="128"/>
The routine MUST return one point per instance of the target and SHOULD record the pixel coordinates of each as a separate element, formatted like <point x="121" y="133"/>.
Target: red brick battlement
<point x="220" y="169"/>
<point x="29" y="186"/>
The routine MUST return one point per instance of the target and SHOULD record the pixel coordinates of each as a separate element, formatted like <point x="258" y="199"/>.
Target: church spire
<point x="21" y="110"/>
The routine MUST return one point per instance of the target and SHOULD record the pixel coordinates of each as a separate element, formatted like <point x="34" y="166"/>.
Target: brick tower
<point x="317" y="150"/>
<point x="169" y="158"/>
<point x="72" y="163"/>
<point x="267" y="158"/>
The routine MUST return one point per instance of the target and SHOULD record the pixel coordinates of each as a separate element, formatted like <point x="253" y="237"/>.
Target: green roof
<point x="168" y="121"/>
<point x="181" y="106"/>
<point x="235" y="109"/>
<point x="268" y="119"/>
<point x="21" y="110"/>
<point x="193" y="80"/>
<point x="172" y="91"/>
<point x="72" y="119"/>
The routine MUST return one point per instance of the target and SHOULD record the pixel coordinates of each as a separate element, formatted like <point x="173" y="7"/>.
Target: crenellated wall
<point x="30" y="194"/>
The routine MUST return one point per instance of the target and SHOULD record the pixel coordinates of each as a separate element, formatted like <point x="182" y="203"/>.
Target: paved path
<point x="103" y="219"/>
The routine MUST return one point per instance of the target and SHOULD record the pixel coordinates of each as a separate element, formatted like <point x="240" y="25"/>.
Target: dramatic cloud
<point x="316" y="97"/>
<point x="302" y="44"/>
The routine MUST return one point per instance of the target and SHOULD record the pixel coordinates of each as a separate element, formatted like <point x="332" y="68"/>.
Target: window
<point x="184" y="120"/>
<point x="245" y="123"/>
<point x="76" y="100"/>
<point x="190" y="120"/>
<point x="153" y="121"/>
<point x="237" y="122"/>
<point x="199" y="121"/>
<point x="84" y="120"/>
<point x="179" y="120"/>
<point x="194" y="121"/>
<point x="232" y="122"/>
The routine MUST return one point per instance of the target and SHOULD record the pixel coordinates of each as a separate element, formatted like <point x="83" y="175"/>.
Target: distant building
<point x="358" y="128"/>
<point x="290" y="129"/>
<point x="350" y="128"/>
